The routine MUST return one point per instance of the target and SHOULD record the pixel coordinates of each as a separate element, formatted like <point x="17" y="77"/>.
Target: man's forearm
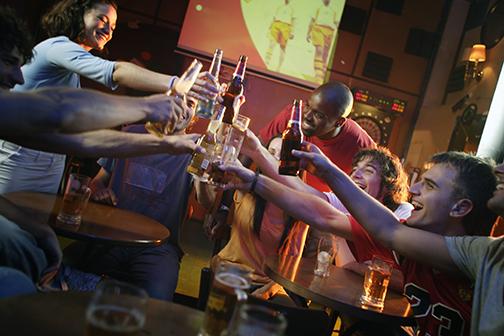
<point x="67" y="110"/>
<point x="269" y="167"/>
<point x="102" y="143"/>
<point x="305" y="207"/>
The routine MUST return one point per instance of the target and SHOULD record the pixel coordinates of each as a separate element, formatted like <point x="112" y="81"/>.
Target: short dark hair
<point x="339" y="95"/>
<point x="15" y="34"/>
<point x="475" y="181"/>
<point x="394" y="183"/>
<point x="67" y="17"/>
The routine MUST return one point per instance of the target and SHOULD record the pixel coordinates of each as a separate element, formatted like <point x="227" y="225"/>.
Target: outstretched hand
<point x="205" y="87"/>
<point x="313" y="160"/>
<point x="243" y="177"/>
<point x="182" y="144"/>
<point x="251" y="144"/>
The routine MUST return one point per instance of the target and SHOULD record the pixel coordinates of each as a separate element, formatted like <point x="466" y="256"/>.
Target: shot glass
<point x="376" y="282"/>
<point x="116" y="308"/>
<point x="255" y="320"/>
<point x="227" y="295"/>
<point x="75" y="199"/>
<point x="326" y="252"/>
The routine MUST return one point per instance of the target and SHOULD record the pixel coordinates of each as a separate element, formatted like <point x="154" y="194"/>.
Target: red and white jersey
<point x="441" y="302"/>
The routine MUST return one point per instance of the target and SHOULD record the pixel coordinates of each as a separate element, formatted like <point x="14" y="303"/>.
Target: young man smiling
<point x="450" y="200"/>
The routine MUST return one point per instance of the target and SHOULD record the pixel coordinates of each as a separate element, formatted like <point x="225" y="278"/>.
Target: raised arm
<point x="109" y="143"/>
<point x="76" y="110"/>
<point x="136" y="77"/>
<point x="268" y="165"/>
<point x="305" y="207"/>
<point x="379" y="221"/>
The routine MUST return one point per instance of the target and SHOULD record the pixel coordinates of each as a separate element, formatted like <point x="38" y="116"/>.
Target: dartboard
<point x="372" y="127"/>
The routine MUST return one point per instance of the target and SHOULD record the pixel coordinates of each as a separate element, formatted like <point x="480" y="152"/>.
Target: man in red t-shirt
<point x="449" y="200"/>
<point x="326" y="125"/>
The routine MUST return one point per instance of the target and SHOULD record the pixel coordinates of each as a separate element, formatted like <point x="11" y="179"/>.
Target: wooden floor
<point x="198" y="251"/>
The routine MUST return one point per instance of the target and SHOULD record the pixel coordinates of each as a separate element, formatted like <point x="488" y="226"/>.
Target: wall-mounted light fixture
<point x="473" y="66"/>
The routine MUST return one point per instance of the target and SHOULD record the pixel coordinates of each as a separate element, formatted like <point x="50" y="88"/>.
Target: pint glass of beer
<point x="227" y="294"/>
<point x="116" y="308"/>
<point x="75" y="199"/>
<point x="376" y="283"/>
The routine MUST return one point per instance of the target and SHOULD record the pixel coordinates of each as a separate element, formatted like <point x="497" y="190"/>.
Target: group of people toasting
<point x="319" y="170"/>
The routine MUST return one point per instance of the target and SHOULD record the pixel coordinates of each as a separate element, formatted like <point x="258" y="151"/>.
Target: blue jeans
<point x="19" y="250"/>
<point x="27" y="169"/>
<point x="14" y="282"/>
<point x="154" y="269"/>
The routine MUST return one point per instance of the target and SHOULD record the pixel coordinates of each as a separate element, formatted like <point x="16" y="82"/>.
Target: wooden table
<point x="63" y="313"/>
<point x="100" y="223"/>
<point x="340" y="291"/>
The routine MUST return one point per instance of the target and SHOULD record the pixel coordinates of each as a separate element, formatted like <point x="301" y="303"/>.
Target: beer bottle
<point x="292" y="137"/>
<point x="180" y="88"/>
<point x="234" y="88"/>
<point x="206" y="108"/>
<point x="200" y="162"/>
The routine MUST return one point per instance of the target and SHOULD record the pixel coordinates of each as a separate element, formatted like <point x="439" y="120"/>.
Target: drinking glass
<point x="116" y="308"/>
<point x="180" y="88"/>
<point x="376" y="282"/>
<point x="75" y="199"/>
<point x="326" y="252"/>
<point x="255" y="320"/>
<point x="227" y="294"/>
<point x="228" y="151"/>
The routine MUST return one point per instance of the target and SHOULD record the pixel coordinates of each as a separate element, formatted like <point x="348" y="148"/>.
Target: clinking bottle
<point x="200" y="162"/>
<point x="205" y="109"/>
<point x="292" y="138"/>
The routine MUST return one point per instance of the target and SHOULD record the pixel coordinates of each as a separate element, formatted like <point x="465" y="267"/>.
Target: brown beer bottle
<point x="234" y="88"/>
<point x="292" y="137"/>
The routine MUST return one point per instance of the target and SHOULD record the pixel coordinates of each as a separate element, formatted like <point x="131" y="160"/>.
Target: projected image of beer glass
<point x="116" y="308"/>
<point x="326" y="252"/>
<point x="376" y="283"/>
<point x="254" y="320"/>
<point x="180" y="88"/>
<point x="228" y="152"/>
<point x="75" y="199"/>
<point x="227" y="294"/>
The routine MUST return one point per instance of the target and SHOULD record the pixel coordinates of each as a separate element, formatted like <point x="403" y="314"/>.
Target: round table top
<point x="100" y="223"/>
<point x="63" y="313"/>
<point x="341" y="290"/>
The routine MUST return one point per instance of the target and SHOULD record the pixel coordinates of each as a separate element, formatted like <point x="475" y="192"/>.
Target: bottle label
<point x="204" y="164"/>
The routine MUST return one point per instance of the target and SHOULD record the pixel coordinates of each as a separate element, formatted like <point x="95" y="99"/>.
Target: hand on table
<point x="267" y="291"/>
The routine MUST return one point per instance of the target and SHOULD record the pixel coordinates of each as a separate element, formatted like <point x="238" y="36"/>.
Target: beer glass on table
<point x="116" y="308"/>
<point x="376" y="282"/>
<point x="180" y="88"/>
<point x="227" y="152"/>
<point x="255" y="320"/>
<point x="326" y="252"/>
<point x="75" y="199"/>
<point x="227" y="294"/>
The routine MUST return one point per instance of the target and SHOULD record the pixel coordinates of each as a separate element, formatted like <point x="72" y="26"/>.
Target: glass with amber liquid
<point x="376" y="282"/>
<point x="292" y="138"/>
<point x="200" y="162"/>
<point x="180" y="88"/>
<point x="206" y="108"/>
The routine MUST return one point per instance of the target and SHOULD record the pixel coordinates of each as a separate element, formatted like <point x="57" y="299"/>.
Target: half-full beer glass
<point x="227" y="294"/>
<point x="75" y="199"/>
<point x="376" y="283"/>
<point x="116" y="308"/>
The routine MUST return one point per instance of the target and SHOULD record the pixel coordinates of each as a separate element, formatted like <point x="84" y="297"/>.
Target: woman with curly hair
<point x="74" y="28"/>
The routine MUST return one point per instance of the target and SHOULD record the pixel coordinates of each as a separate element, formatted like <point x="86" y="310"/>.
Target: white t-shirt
<point x="344" y="255"/>
<point x="482" y="260"/>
